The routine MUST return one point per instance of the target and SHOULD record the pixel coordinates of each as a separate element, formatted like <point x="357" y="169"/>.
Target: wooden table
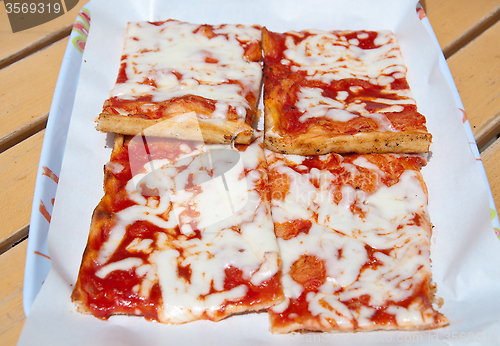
<point x="468" y="32"/>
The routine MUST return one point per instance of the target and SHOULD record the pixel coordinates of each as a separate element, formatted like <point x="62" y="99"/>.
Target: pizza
<point x="339" y="91"/>
<point x="186" y="81"/>
<point x="327" y="229"/>
<point x="183" y="233"/>
<point x="354" y="237"/>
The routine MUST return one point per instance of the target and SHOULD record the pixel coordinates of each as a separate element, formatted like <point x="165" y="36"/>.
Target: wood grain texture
<point x="18" y="168"/>
<point x="21" y="44"/>
<point x="491" y="161"/>
<point x="456" y="22"/>
<point x="25" y="100"/>
<point x="11" y="294"/>
<point x="476" y="71"/>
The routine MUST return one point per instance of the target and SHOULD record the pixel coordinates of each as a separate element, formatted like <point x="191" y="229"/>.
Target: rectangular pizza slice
<point x="186" y="81"/>
<point x="183" y="232"/>
<point x="339" y="91"/>
<point x="354" y="236"/>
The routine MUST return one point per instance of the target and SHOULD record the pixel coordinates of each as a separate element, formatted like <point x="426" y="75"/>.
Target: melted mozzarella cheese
<point x="340" y="238"/>
<point x="125" y="264"/>
<point x="327" y="56"/>
<point x="142" y="245"/>
<point x="312" y="104"/>
<point x="335" y="311"/>
<point x="363" y="162"/>
<point x="234" y="222"/>
<point x="174" y="56"/>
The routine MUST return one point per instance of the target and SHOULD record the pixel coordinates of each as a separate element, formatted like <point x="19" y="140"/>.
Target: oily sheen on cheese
<point x="327" y="229"/>
<point x="186" y="81"/>
<point x="183" y="233"/>
<point x="338" y="91"/>
<point x="354" y="235"/>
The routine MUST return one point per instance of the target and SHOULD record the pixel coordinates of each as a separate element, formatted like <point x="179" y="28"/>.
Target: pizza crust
<point x="187" y="127"/>
<point x="315" y="326"/>
<point x="99" y="217"/>
<point x="361" y="143"/>
<point x="318" y="141"/>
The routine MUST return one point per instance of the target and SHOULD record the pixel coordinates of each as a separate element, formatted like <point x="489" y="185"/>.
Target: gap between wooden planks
<point x="25" y="100"/>
<point x="23" y="43"/>
<point x="476" y="71"/>
<point x="18" y="168"/>
<point x="11" y="293"/>
<point x="457" y="22"/>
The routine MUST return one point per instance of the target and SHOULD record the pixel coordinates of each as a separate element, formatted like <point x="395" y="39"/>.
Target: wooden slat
<point x="11" y="294"/>
<point x="476" y="70"/>
<point x="25" y="100"/>
<point x="21" y="44"/>
<point x="18" y="168"/>
<point x="457" y="22"/>
<point x="491" y="161"/>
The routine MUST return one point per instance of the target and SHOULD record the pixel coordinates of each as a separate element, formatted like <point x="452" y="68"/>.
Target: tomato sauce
<point x="122" y="72"/>
<point x="266" y="291"/>
<point x="298" y="310"/>
<point x="290" y="229"/>
<point x="144" y="106"/>
<point x="364" y="43"/>
<point x="114" y="294"/>
<point x="285" y="94"/>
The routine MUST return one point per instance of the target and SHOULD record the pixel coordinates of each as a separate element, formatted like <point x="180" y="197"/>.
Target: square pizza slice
<point x="183" y="232"/>
<point x="354" y="236"/>
<point x="339" y="91"/>
<point x="186" y="81"/>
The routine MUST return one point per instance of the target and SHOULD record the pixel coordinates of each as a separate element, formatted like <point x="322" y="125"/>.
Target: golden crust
<point x="187" y="128"/>
<point x="316" y="326"/>
<point x="266" y="42"/>
<point x="99" y="218"/>
<point x="361" y="143"/>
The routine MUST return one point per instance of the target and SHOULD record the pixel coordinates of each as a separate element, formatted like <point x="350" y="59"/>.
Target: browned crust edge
<point x="189" y="128"/>
<point x="361" y="143"/>
<point x="314" y="326"/>
<point x="318" y="141"/>
<point x="99" y="216"/>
